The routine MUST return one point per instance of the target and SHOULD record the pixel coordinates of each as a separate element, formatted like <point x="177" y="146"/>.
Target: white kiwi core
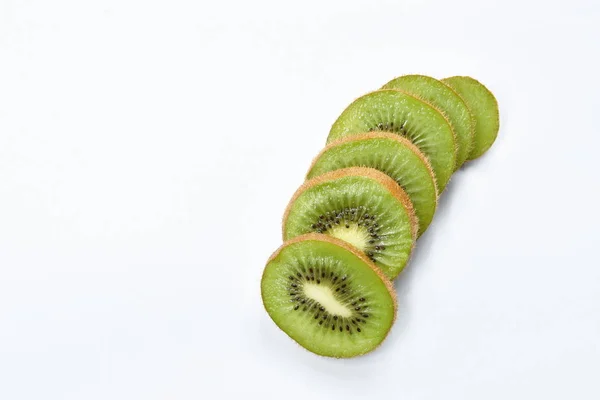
<point x="356" y="235"/>
<point x="325" y="296"/>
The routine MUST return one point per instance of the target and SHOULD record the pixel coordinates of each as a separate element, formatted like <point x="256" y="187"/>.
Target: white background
<point x="148" y="150"/>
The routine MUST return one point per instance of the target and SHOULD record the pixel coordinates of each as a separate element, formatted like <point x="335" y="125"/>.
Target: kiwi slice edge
<point x="483" y="106"/>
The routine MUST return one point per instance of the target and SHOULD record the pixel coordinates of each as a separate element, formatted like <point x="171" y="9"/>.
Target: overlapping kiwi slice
<point x="483" y="107"/>
<point x="392" y="154"/>
<point x="398" y="112"/>
<point x="328" y="296"/>
<point x="445" y="100"/>
<point x="361" y="206"/>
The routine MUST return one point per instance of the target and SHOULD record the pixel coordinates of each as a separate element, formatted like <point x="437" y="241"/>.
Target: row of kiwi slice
<point x="369" y="194"/>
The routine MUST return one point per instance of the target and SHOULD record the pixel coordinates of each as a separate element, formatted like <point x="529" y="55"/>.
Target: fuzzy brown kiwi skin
<point x="390" y="184"/>
<point x="455" y="140"/>
<point x="380" y="135"/>
<point x="340" y="243"/>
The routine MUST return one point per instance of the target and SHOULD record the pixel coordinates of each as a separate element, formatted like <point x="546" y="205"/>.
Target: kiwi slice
<point x="483" y="106"/>
<point x="362" y="206"/>
<point x="447" y="101"/>
<point x="398" y="112"/>
<point x="392" y="154"/>
<point x="327" y="296"/>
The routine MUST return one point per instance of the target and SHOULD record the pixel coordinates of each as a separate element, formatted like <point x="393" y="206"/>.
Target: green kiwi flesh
<point x="361" y="206"/>
<point x="392" y="154"/>
<point x="400" y="113"/>
<point x="483" y="106"/>
<point x="328" y="297"/>
<point x="447" y="101"/>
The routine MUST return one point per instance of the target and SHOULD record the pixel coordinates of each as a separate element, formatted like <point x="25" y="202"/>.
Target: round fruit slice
<point x="392" y="154"/>
<point x="483" y="106"/>
<point x="447" y="101"/>
<point x="361" y="206"/>
<point x="398" y="112"/>
<point x="328" y="297"/>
